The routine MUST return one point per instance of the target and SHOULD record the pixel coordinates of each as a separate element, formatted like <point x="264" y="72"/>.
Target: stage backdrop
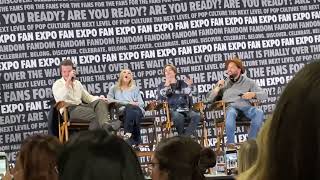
<point x="275" y="38"/>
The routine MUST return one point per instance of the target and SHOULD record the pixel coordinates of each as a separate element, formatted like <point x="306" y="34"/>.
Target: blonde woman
<point x="247" y="155"/>
<point x="126" y="93"/>
<point x="289" y="144"/>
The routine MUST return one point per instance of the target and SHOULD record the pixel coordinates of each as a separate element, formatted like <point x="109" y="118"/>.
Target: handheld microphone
<point x="74" y="73"/>
<point x="73" y="78"/>
<point x="220" y="85"/>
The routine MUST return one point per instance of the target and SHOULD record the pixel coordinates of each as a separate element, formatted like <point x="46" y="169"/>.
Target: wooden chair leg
<point x="218" y="135"/>
<point x="61" y="133"/>
<point x="222" y="136"/>
<point x="205" y="135"/>
<point x="66" y="133"/>
<point x="223" y="124"/>
<point x="155" y="135"/>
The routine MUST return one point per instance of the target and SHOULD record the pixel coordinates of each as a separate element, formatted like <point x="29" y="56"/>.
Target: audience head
<point x="125" y="78"/>
<point x="66" y="66"/>
<point x="181" y="158"/>
<point x="289" y="144"/>
<point x="98" y="155"/>
<point x="37" y="159"/>
<point x="247" y="155"/>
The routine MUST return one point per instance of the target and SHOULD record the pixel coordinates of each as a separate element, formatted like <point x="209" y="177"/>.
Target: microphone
<point x="73" y="78"/>
<point x="74" y="74"/>
<point x="220" y="85"/>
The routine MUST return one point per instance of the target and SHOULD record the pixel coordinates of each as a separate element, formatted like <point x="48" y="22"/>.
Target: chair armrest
<point x="60" y="104"/>
<point x="255" y="102"/>
<point x="61" y="107"/>
<point x="217" y="105"/>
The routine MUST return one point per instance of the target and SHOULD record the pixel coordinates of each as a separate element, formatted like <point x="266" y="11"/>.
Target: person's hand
<point x="70" y="79"/>
<point x="103" y="98"/>
<point x="218" y="86"/>
<point x="72" y="75"/>
<point x="188" y="80"/>
<point x="248" y="95"/>
<point x="167" y="82"/>
<point x="151" y="105"/>
<point x="220" y="83"/>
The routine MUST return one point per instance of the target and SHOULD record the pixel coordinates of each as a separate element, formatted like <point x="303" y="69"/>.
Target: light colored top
<point x="124" y="97"/>
<point x="72" y="95"/>
<point x="232" y="91"/>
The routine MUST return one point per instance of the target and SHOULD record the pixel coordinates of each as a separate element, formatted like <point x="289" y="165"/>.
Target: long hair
<point x="38" y="156"/>
<point x="289" y="146"/>
<point x="183" y="158"/>
<point x="247" y="155"/>
<point x="98" y="155"/>
<point x="119" y="83"/>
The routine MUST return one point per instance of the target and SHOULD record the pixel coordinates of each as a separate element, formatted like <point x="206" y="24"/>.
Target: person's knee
<point x="176" y="115"/>
<point x="259" y="112"/>
<point x="196" y="117"/>
<point x="230" y="123"/>
<point x="231" y="117"/>
<point x="133" y="110"/>
<point x="177" y="118"/>
<point x="99" y="103"/>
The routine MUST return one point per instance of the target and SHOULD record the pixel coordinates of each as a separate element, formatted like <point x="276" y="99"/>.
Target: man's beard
<point x="233" y="77"/>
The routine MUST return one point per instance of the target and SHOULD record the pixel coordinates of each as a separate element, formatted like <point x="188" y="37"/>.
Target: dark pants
<point x="179" y="119"/>
<point x="131" y="123"/>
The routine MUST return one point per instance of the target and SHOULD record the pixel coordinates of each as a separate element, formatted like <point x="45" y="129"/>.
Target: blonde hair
<point x="119" y="84"/>
<point x="247" y="155"/>
<point x="259" y="169"/>
<point x="288" y="147"/>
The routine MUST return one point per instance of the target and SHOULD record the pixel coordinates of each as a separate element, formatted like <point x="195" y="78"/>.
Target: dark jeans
<point x="131" y="123"/>
<point x="179" y="118"/>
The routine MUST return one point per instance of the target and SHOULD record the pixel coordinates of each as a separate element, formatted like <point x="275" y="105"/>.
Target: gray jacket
<point x="231" y="92"/>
